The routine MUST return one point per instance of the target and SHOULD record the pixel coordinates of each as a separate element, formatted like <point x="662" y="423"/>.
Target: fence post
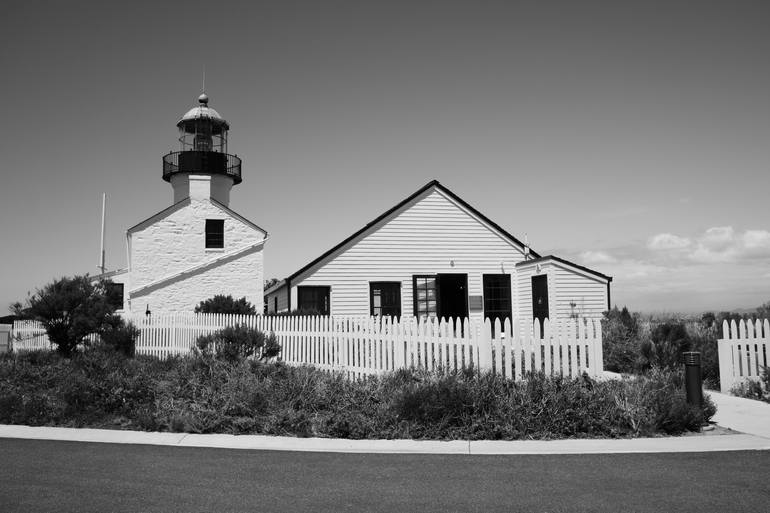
<point x="484" y="340"/>
<point x="5" y="338"/>
<point x="724" y="349"/>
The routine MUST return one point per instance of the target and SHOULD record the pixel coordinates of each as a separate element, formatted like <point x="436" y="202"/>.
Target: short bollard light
<point x="693" y="381"/>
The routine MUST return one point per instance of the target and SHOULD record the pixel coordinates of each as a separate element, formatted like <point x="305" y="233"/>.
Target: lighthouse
<point x="202" y="165"/>
<point x="198" y="247"/>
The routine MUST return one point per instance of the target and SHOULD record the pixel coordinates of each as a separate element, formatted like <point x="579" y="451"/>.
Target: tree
<point x="763" y="312"/>
<point x="69" y="309"/>
<point x="269" y="283"/>
<point x="225" y="305"/>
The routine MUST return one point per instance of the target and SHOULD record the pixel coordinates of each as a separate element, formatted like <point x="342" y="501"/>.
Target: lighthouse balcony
<point x="202" y="162"/>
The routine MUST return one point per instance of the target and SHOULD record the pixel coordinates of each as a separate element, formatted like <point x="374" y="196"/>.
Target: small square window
<point x="215" y="233"/>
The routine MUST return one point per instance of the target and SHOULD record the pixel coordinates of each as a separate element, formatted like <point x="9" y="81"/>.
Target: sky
<point x="630" y="137"/>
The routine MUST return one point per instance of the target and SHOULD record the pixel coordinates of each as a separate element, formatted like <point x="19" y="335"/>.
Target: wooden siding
<point x="565" y="286"/>
<point x="283" y="300"/>
<point x="424" y="237"/>
<point x="588" y="294"/>
<point x="523" y="290"/>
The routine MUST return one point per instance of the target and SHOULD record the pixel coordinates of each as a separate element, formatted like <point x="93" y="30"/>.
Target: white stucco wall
<point x="239" y="277"/>
<point x="174" y="242"/>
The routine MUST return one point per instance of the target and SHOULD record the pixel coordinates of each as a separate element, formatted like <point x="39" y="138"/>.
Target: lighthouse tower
<point x="202" y="166"/>
<point x="198" y="247"/>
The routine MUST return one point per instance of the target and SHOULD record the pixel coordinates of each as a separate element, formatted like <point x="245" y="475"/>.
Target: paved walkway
<point x="750" y="418"/>
<point x="736" y="442"/>
<point x="744" y="415"/>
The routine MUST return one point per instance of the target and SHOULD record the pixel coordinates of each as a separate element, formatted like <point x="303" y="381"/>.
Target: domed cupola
<point x="203" y="153"/>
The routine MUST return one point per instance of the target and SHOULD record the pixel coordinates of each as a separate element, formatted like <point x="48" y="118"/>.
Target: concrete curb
<point x="737" y="442"/>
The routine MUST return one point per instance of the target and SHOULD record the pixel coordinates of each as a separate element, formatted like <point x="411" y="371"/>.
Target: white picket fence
<point x="743" y="352"/>
<point x="29" y="336"/>
<point x="360" y="346"/>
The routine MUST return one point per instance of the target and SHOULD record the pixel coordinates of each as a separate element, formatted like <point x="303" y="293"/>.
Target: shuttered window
<point x="215" y="233"/>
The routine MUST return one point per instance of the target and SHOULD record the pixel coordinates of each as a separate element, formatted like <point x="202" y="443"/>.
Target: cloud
<point x="717" y="238"/>
<point x="757" y="239"/>
<point x="717" y="268"/>
<point x="723" y="244"/>
<point x="718" y="244"/>
<point x="667" y="241"/>
<point x="597" y="257"/>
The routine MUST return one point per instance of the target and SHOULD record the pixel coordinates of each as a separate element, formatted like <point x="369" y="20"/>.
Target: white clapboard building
<point x="198" y="247"/>
<point x="434" y="255"/>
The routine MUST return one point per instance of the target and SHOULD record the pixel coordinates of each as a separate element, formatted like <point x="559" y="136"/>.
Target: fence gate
<point x="743" y="352"/>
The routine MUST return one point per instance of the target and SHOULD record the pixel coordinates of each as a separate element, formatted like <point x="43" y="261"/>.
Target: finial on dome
<point x="203" y="99"/>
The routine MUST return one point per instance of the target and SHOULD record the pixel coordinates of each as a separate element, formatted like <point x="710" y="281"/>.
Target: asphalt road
<point x="75" y="476"/>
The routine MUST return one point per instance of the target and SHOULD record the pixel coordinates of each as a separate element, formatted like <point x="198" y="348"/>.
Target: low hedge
<point x="202" y="394"/>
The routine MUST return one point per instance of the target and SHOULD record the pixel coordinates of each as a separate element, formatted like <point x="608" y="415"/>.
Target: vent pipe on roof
<point x="526" y="247"/>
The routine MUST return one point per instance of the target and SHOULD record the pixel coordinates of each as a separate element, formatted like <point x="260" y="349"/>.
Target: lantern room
<point x="203" y="129"/>
<point x="202" y="146"/>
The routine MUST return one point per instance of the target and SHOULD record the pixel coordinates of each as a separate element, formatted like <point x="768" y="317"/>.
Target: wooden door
<point x="540" y="298"/>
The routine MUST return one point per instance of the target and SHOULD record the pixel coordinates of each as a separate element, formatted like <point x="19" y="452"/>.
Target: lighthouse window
<point x="215" y="233"/>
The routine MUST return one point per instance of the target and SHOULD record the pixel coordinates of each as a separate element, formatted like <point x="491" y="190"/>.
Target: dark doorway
<point x="540" y="299"/>
<point x="452" y="296"/>
<point x="313" y="300"/>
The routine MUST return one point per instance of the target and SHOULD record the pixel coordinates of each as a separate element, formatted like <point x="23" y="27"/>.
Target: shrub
<point x="121" y="336"/>
<point x="664" y="350"/>
<point x="755" y="389"/>
<point x="238" y="342"/>
<point x="222" y="304"/>
<point x="100" y="387"/>
<point x="620" y="337"/>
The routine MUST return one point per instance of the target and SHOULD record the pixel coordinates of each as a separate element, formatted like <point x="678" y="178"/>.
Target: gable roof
<point x="430" y="185"/>
<point x="183" y="203"/>
<point x="565" y="262"/>
<point x="237" y="215"/>
<point x="160" y="215"/>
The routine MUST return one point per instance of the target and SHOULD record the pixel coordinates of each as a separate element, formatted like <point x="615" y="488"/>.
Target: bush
<point x="755" y="389"/>
<point x="664" y="350"/>
<point x="238" y="342"/>
<point x="620" y="340"/>
<point x="226" y="305"/>
<point x="103" y="388"/>
<point x="121" y="336"/>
